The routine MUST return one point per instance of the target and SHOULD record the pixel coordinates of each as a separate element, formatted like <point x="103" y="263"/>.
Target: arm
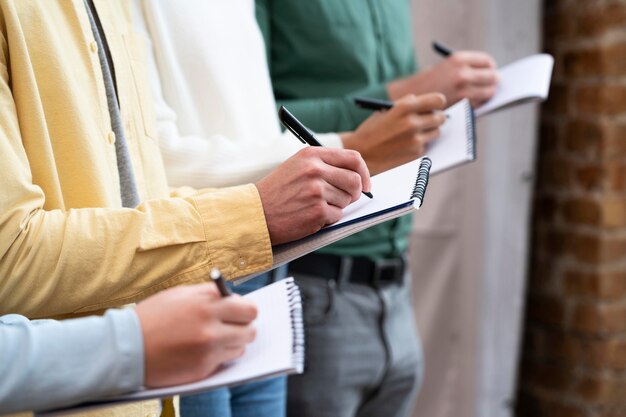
<point x="93" y="258"/>
<point x="211" y="160"/>
<point x="464" y="74"/>
<point x="177" y="336"/>
<point x="328" y="114"/>
<point x="48" y="364"/>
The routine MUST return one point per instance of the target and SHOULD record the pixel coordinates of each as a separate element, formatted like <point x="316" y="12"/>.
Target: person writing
<point x="179" y="335"/>
<point x="87" y="218"/>
<point x="218" y="127"/>
<point x="321" y="55"/>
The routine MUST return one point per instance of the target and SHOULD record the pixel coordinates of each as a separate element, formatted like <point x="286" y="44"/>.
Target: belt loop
<point x="345" y="270"/>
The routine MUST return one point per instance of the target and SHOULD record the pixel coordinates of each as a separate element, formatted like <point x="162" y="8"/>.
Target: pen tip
<point x="367" y="193"/>
<point x="215" y="273"/>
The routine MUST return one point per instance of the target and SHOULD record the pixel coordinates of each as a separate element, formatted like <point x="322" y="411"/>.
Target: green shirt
<point x="322" y="53"/>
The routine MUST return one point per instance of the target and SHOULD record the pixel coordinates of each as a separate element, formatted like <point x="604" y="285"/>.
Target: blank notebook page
<point x="526" y="79"/>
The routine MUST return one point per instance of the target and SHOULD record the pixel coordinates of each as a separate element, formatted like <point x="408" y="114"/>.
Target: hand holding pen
<point x="303" y="134"/>
<point x="309" y="191"/>
<point x="462" y="74"/>
<point x="400" y="132"/>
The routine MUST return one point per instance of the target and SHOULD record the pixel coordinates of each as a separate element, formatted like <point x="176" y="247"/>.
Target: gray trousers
<point x="364" y="358"/>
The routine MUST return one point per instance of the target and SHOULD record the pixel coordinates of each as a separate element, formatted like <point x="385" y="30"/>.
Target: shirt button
<point x="111" y="138"/>
<point x="94" y="47"/>
<point x="242" y="263"/>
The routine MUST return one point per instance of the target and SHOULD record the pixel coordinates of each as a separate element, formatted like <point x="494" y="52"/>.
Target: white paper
<point x="269" y="354"/>
<point x="456" y="144"/>
<point x="525" y="80"/>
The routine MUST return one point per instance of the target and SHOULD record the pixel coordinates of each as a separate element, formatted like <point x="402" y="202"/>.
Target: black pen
<point x="377" y="104"/>
<point x="373" y="103"/>
<point x="218" y="279"/>
<point x="301" y="132"/>
<point x="441" y="49"/>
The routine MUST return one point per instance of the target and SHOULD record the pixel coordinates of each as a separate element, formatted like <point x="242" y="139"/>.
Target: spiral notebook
<point x="397" y="192"/>
<point x="456" y="144"/>
<point x="524" y="80"/>
<point x="277" y="350"/>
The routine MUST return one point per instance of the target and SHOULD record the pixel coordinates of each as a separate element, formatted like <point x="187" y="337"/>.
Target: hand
<point x="399" y="135"/>
<point x="464" y="74"/>
<point x="309" y="191"/>
<point x="189" y="331"/>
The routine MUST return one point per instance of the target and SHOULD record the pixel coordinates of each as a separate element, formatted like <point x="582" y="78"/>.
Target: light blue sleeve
<point x="47" y="363"/>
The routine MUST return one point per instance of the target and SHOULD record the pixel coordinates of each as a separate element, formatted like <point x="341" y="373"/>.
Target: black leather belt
<point x="357" y="269"/>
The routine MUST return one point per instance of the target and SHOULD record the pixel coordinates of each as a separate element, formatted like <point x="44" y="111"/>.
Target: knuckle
<point x="354" y="157"/>
<point x="318" y="213"/>
<point x="308" y="152"/>
<point x="314" y="190"/>
<point x="313" y="169"/>
<point x="207" y="337"/>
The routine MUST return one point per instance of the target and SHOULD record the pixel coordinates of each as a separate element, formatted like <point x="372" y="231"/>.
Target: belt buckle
<point x="396" y="265"/>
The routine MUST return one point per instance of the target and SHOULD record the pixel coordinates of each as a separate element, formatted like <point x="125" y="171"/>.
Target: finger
<point x="429" y="136"/>
<point x="207" y="289"/>
<point x="479" y="95"/>
<point x="428" y="121"/>
<point x="474" y="59"/>
<point x="232" y="335"/>
<point x="213" y="359"/>
<point x="424" y="103"/>
<point x="484" y="77"/>
<point x="232" y="354"/>
<point x="342" y="186"/>
<point x="350" y="160"/>
<point x="235" y="310"/>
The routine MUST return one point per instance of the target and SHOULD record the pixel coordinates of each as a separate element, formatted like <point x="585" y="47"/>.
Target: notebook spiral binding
<point x="297" y="319"/>
<point x="421" y="182"/>
<point x="471" y="132"/>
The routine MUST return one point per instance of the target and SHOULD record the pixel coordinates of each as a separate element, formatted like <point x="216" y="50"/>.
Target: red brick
<point x="548" y="376"/>
<point x="611" y="412"/>
<point x="615" y="176"/>
<point x="614" y="212"/>
<point x="614" y="140"/>
<point x="590" y="176"/>
<point x="602" y="286"/>
<point x="584" y="138"/>
<point x="555" y="171"/>
<point x="601" y="99"/>
<point x="558" y="25"/>
<point x="532" y="405"/>
<point x="586" y="248"/>
<point x="599" y="319"/>
<point x="601" y="390"/>
<point x="607" y="60"/>
<point x="600" y="20"/>
<point x="595" y="248"/>
<point x="582" y="211"/>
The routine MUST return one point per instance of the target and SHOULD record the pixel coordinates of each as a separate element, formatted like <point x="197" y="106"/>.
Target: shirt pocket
<point x="136" y="50"/>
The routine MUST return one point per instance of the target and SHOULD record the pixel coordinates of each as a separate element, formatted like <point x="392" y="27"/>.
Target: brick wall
<point x="574" y="354"/>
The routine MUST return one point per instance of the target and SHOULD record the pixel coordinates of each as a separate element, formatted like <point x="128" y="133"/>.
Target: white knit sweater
<point x="213" y="97"/>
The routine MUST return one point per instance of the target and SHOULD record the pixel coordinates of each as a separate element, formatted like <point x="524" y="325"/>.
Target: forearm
<point x="333" y="114"/>
<point x="59" y="262"/>
<point x="47" y="364"/>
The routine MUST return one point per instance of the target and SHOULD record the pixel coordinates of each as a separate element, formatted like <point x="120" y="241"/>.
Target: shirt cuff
<point x="129" y="337"/>
<point x="237" y="237"/>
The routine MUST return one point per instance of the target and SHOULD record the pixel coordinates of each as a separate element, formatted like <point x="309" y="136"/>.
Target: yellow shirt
<point x="67" y="245"/>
